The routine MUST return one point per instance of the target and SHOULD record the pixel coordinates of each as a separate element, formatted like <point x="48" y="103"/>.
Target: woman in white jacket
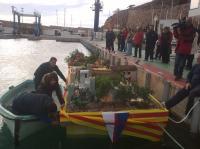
<point x="195" y="48"/>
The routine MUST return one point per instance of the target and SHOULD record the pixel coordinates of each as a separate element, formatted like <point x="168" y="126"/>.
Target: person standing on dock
<point x="165" y="44"/>
<point x="110" y="38"/>
<point x="195" y="49"/>
<point x="45" y="68"/>
<point x="137" y="41"/>
<point x="151" y="38"/>
<point x="184" y="32"/>
<point x="119" y="38"/>
<point x="123" y="39"/>
<point x="129" y="43"/>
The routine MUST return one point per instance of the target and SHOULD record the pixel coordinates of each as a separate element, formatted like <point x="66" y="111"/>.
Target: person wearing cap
<point x="47" y="67"/>
<point x="48" y="84"/>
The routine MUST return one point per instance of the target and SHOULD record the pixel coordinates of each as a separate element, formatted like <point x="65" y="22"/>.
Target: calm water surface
<point x="18" y="60"/>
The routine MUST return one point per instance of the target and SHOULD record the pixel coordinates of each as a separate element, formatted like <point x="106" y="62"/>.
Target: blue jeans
<point x="180" y="61"/>
<point x="129" y="49"/>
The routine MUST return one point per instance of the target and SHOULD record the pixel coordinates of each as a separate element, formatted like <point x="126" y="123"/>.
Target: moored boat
<point x="20" y="126"/>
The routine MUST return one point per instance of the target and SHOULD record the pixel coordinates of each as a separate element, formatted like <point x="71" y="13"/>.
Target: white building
<point x="166" y="23"/>
<point x="194" y="8"/>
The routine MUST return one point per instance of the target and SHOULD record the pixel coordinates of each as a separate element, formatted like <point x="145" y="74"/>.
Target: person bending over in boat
<point x="40" y="105"/>
<point x="191" y="89"/>
<point x="47" y="67"/>
<point x="48" y="84"/>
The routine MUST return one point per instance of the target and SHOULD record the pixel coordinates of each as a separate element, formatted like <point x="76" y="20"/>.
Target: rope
<point x="171" y="137"/>
<point x="178" y="122"/>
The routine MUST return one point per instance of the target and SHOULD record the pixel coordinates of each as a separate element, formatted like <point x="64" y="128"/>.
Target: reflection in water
<point x="52" y="137"/>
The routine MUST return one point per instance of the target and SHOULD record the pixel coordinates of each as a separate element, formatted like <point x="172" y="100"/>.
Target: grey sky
<point x="78" y="12"/>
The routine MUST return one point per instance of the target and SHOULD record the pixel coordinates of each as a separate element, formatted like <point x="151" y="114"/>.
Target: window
<point x="194" y="4"/>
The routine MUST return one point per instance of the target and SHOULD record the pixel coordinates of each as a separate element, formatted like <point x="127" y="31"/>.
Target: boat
<point x="147" y="124"/>
<point x="20" y="126"/>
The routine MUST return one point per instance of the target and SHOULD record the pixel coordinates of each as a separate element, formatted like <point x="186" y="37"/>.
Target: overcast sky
<point x="78" y="12"/>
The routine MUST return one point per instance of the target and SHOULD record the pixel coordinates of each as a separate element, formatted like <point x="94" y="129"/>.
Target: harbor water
<point x="19" y="58"/>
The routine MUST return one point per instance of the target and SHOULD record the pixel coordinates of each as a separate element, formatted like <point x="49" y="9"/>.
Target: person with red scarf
<point x="137" y="41"/>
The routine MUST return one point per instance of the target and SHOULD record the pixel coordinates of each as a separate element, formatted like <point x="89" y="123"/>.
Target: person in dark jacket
<point x="165" y="45"/>
<point x="33" y="104"/>
<point x="184" y="34"/>
<point x="191" y="89"/>
<point x="151" y="38"/>
<point x="119" y="38"/>
<point x="110" y="38"/>
<point x="48" y="84"/>
<point x="47" y="67"/>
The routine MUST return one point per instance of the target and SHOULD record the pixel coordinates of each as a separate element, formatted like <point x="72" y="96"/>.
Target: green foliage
<point x="141" y="92"/>
<point x="123" y="93"/>
<point x="79" y="103"/>
<point x="82" y="97"/>
<point x="126" y="92"/>
<point x="90" y="59"/>
<point x="103" y="85"/>
<point x="116" y="79"/>
<point x="77" y="58"/>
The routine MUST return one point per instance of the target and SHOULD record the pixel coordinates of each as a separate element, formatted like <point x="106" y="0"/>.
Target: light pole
<point x="71" y="20"/>
<point x="57" y="16"/>
<point x="22" y="10"/>
<point x="64" y="16"/>
<point x="14" y="23"/>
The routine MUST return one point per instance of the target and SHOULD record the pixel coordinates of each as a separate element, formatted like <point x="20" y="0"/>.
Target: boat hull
<point x="20" y="126"/>
<point x="21" y="129"/>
